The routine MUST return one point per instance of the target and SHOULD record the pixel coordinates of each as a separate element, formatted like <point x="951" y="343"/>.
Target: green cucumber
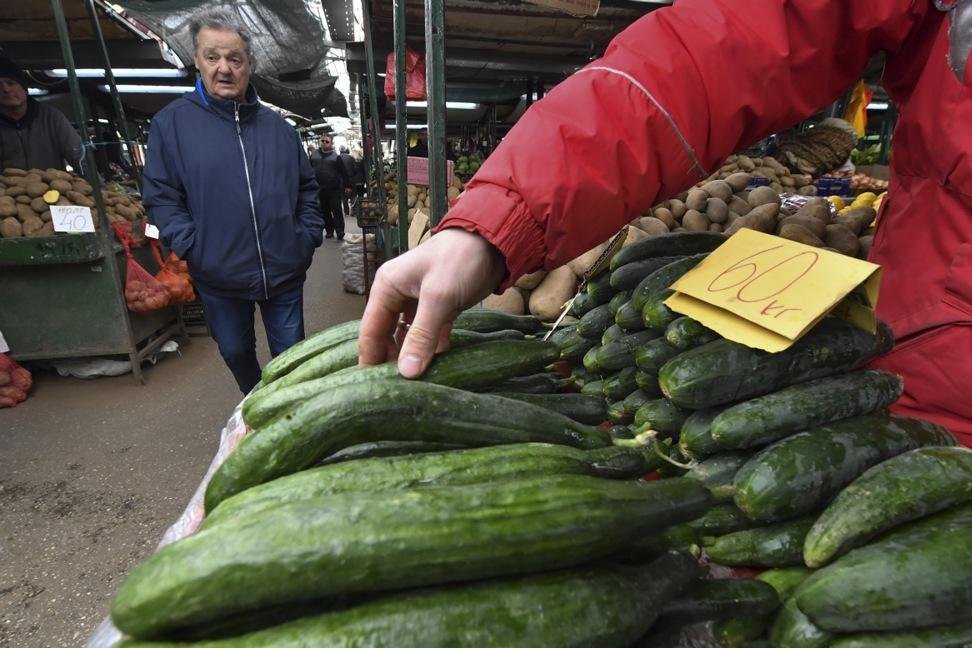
<point x="583" y="303"/>
<point x="958" y="635"/>
<point x="628" y="317"/>
<point x="659" y="282"/>
<point x="354" y="543"/>
<point x="618" y="300"/>
<point x="612" y="332"/>
<point x="461" y="337"/>
<point x="486" y="320"/>
<point x="656" y="314"/>
<point x="695" y="438"/>
<point x="777" y="545"/>
<point x="616" y="415"/>
<point x="468" y="367"/>
<point x="339" y="356"/>
<point x="307" y="348"/>
<point x="621" y="352"/>
<point x="660" y="415"/>
<point x="678" y="537"/>
<point x="680" y="243"/>
<point x="917" y="576"/>
<point x="546" y="382"/>
<point x="629" y="275"/>
<point x="803" y="406"/>
<point x="388" y="410"/>
<point x="623" y="411"/>
<point x="458" y="467"/>
<point x="723" y="371"/>
<point x="594" y="322"/>
<point x="804" y="472"/>
<point x="620" y="384"/>
<point x="718" y="471"/>
<point x="590" y="361"/>
<point x="711" y="600"/>
<point x="583" y="408"/>
<point x="910" y="486"/>
<point x="600" y="288"/>
<point x="720" y="520"/>
<point x="579" y="376"/>
<point x="648" y="383"/>
<point x="386" y="449"/>
<point x="575" y="346"/>
<point x="793" y="629"/>
<point x="654" y="353"/>
<point x="561" y="335"/>
<point x="685" y="333"/>
<point x="740" y="630"/>
<point x="622" y="432"/>
<point x="595" y="387"/>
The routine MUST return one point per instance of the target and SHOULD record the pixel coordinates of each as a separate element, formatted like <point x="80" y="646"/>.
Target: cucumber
<point x="547" y="382"/>
<point x="804" y="406"/>
<point x="654" y="353"/>
<point x="958" y="635"/>
<point x="695" y="438"/>
<point x="307" y="348"/>
<point x="659" y="281"/>
<point x="594" y="387"/>
<point x="368" y="542"/>
<point x="621" y="352"/>
<point x="720" y="520"/>
<point x="387" y="449"/>
<point x="648" y="383"/>
<point x="561" y="336"/>
<point x="718" y="471"/>
<point x="600" y="288"/>
<point x="579" y="376"/>
<point x="680" y="243"/>
<point x="684" y="333"/>
<point x="740" y="630"/>
<point x="620" y="384"/>
<point x="629" y="275"/>
<point x="612" y="332"/>
<point x="594" y="322"/>
<point x="583" y="408"/>
<point x="494" y="613"/>
<point x="458" y="467"/>
<point x="583" y="303"/>
<point x="723" y="371"/>
<point x="388" y="410"/>
<point x="793" y="629"/>
<point x="486" y="320"/>
<point x="656" y="314"/>
<point x="469" y="367"/>
<point x="711" y="600"/>
<point x="678" y="537"/>
<point x="460" y="337"/>
<point x="660" y="415"/>
<point x="621" y="432"/>
<point x="618" y="300"/>
<point x="917" y="576"/>
<point x="339" y="356"/>
<point x="804" y="472"/>
<point x="623" y="411"/>
<point x="910" y="486"/>
<point x="616" y="415"/>
<point x="777" y="545"/>
<point x="575" y="346"/>
<point x="590" y="361"/>
<point x="628" y="317"/>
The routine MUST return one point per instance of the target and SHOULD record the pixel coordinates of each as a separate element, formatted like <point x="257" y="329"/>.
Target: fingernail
<point x="410" y="365"/>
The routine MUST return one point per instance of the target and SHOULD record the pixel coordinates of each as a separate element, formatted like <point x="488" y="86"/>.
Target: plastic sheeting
<point x="289" y="49"/>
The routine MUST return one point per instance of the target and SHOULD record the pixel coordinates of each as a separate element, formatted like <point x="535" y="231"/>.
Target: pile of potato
<point x="27" y="196"/>
<point x="418" y="197"/>
<point x="779" y="177"/>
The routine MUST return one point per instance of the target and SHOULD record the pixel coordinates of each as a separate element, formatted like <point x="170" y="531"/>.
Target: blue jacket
<point x="248" y="229"/>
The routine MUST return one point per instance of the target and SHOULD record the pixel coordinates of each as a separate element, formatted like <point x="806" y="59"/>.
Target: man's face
<point x="222" y="63"/>
<point x="12" y="94"/>
<point x="326" y="145"/>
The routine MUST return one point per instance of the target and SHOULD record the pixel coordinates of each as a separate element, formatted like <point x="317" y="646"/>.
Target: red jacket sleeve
<point x="674" y="94"/>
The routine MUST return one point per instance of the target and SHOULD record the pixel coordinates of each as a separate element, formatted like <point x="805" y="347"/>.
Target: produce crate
<point x="367" y="212"/>
<point x="44" y="250"/>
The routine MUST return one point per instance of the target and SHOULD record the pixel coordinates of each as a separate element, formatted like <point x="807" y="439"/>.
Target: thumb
<point x="426" y="333"/>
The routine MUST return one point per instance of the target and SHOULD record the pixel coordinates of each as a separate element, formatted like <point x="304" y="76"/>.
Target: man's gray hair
<point x="221" y="20"/>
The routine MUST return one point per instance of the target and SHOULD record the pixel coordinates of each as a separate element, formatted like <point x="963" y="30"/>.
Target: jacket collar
<point x="32" y="106"/>
<point x="226" y="107"/>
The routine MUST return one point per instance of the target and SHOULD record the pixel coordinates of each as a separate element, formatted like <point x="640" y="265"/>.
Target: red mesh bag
<point x="15" y="382"/>
<point x="174" y="276"/>
<point x="143" y="292"/>
<point x="414" y="75"/>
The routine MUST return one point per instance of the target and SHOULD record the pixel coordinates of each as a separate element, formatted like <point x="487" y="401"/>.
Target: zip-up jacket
<point x="232" y="192"/>
<point x="41" y="139"/>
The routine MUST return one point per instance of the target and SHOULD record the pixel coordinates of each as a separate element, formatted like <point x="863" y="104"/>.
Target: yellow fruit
<point x="52" y="196"/>
<point x="836" y="201"/>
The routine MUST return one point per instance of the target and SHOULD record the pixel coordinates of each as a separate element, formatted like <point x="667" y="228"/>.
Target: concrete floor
<point x="93" y="472"/>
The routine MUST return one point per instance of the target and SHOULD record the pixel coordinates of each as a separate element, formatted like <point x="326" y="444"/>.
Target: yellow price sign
<point x="766" y="292"/>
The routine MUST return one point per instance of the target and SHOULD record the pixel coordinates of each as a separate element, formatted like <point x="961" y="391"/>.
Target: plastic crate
<point x="367" y="212"/>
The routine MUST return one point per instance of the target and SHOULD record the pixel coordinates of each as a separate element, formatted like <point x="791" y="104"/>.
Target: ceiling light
<point x="877" y="105"/>
<point x="121" y="73"/>
<point x="148" y="89"/>
<point x="452" y="105"/>
<point x="37" y="92"/>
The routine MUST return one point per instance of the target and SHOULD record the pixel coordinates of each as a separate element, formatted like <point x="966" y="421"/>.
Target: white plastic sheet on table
<point x="106" y="634"/>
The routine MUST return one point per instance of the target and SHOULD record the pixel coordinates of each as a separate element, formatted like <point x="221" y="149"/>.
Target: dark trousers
<point x="333" y="212"/>
<point x="231" y="324"/>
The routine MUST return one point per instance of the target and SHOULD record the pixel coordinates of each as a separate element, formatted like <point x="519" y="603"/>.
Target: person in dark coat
<point x="333" y="181"/>
<point x="232" y="191"/>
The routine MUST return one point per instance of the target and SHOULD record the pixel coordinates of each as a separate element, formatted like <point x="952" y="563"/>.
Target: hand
<point x="430" y="286"/>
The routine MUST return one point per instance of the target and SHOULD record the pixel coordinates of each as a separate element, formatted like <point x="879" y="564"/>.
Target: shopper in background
<point x="32" y="135"/>
<point x="233" y="193"/>
<point x="332" y="180"/>
<point x="311" y="150"/>
<point x="350" y="171"/>
<point x="676" y="93"/>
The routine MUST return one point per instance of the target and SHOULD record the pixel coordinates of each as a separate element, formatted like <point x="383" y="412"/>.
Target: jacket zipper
<point x="249" y="191"/>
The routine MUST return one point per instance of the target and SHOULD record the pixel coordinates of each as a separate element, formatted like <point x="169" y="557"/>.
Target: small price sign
<point x="151" y="231"/>
<point x="766" y="292"/>
<point x="72" y="219"/>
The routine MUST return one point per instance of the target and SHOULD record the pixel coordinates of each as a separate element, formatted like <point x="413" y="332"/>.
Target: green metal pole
<point x="112" y="87"/>
<point x="401" y="123"/>
<point x="375" y="117"/>
<point x="435" y="81"/>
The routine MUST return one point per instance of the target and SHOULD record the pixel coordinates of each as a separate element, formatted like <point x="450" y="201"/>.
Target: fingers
<point x="431" y="322"/>
<point x="378" y="324"/>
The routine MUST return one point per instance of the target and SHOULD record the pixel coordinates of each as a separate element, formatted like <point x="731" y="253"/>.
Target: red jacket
<point x="686" y="86"/>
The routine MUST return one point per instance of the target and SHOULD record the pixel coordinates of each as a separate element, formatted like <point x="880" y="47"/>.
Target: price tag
<point x="151" y="231"/>
<point x="4" y="347"/>
<point x="72" y="219"/>
<point x="766" y="292"/>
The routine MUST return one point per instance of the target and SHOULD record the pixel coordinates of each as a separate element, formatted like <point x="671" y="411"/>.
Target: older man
<point x="232" y="192"/>
<point x="32" y="135"/>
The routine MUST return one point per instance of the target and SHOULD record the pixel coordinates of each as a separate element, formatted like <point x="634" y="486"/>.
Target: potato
<point x="38" y="205"/>
<point x="452" y="193"/>
<point x="14" y="171"/>
<point x="800" y="234"/>
<point x="738" y="181"/>
<point x="635" y="234"/>
<point x="78" y="198"/>
<point x="766" y="216"/>
<point x="743" y="222"/>
<point x="865" y="243"/>
<point x="718" y="189"/>
<point x="679" y="229"/>
<point x="128" y="212"/>
<point x="581" y="264"/>
<point x="857" y="219"/>
<point x="15" y="190"/>
<point x="63" y="202"/>
<point x="842" y="239"/>
<point x="547" y="300"/>
<point x="807" y="190"/>
<point x="745" y="163"/>
<point x="33" y="178"/>
<point x="695" y="221"/>
<point x="46" y="216"/>
<point x="11" y="228"/>
<point x="61" y="185"/>
<point x="816" y="227"/>
<point x="716" y="210"/>
<point x="715" y="227"/>
<point x="24" y="212"/>
<point x="817" y="208"/>
<point x="59" y="174"/>
<point x="696" y="199"/>
<point x="32" y="225"/>
<point x="763" y="196"/>
<point x="739" y="205"/>
<point x="665" y="216"/>
<point x="777" y="187"/>
<point x="46" y="230"/>
<point x="8" y="209"/>
<point x="677" y="207"/>
<point x="651" y="225"/>
<point x="530" y="281"/>
<point x="82" y="187"/>
<point x="23" y="199"/>
<point x="788" y="182"/>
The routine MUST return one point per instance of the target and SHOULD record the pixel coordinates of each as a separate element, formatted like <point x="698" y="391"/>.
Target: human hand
<point x="429" y="286"/>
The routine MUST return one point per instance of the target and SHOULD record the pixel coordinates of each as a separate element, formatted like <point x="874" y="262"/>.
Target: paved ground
<point x="93" y="472"/>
